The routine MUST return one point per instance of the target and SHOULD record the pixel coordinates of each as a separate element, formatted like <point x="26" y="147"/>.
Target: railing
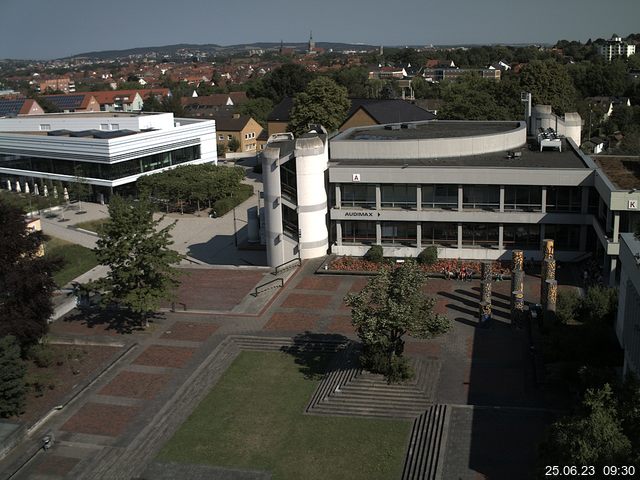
<point x="268" y="285"/>
<point x="286" y="265"/>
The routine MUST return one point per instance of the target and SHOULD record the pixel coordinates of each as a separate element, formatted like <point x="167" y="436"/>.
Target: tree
<point x="472" y="98"/>
<point x="324" y="102"/>
<point x="593" y="436"/>
<point x="354" y="79"/>
<point x="26" y="282"/>
<point x="550" y="84"/>
<point x="257" y="108"/>
<point x="284" y="81"/>
<point x="141" y="264"/>
<point x="391" y="305"/>
<point x="233" y="144"/>
<point x="12" y="371"/>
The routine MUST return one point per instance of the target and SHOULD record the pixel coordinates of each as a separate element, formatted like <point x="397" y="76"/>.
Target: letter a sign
<point x="355" y="177"/>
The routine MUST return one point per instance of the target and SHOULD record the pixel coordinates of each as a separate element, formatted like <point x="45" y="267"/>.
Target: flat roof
<point x="623" y="171"/>
<point x="530" y="157"/>
<point x="430" y="129"/>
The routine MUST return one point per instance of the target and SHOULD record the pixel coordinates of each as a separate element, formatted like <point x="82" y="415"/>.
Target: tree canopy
<point x="26" y="282"/>
<point x="391" y="305"/>
<point x="141" y="263"/>
<point x="284" y="81"/>
<point x="12" y="371"/>
<point x="323" y="102"/>
<point x="550" y="84"/>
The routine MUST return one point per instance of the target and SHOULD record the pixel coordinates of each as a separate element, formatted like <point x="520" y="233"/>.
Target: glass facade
<point x="522" y="198"/>
<point x="480" y="235"/>
<point x="566" y="237"/>
<point x="440" y="196"/>
<point x="290" y="222"/>
<point x="288" y="180"/>
<point x="358" y="232"/>
<point x="398" y="196"/>
<point x="358" y="195"/>
<point x="104" y="171"/>
<point x="436" y="233"/>
<point x="399" y="233"/>
<point x="481" y="197"/>
<point x="564" y="199"/>
<point x="523" y="237"/>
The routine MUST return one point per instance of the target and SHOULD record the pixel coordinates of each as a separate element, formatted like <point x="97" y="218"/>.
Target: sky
<point x="46" y="29"/>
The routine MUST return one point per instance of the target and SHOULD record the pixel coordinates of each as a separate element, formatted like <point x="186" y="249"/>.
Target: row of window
<point x="112" y="171"/>
<point x="524" y="236"/>
<point x="475" y="197"/>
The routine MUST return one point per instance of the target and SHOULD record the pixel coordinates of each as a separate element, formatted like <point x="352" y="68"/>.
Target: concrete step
<point x="350" y="392"/>
<point x="351" y="411"/>
<point x="426" y="446"/>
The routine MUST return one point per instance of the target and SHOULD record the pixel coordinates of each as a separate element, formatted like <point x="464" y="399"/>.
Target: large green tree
<point x="391" y="305"/>
<point x="323" y="102"/>
<point x="12" y="371"/>
<point x="550" y="84"/>
<point x="284" y="81"/>
<point x="472" y="98"/>
<point x="593" y="436"/>
<point x="141" y="263"/>
<point x="26" y="281"/>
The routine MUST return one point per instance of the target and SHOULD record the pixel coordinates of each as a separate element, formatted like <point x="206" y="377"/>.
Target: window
<point x="481" y="197"/>
<point x="440" y="196"/>
<point x="521" y="198"/>
<point x="480" y="235"/>
<point x="435" y="233"/>
<point x="288" y="180"/>
<point x="358" y="195"/>
<point x="220" y="137"/>
<point x="290" y="222"/>
<point x="229" y="137"/>
<point x="564" y="199"/>
<point x="399" y="233"/>
<point x="398" y="196"/>
<point x="523" y="237"/>
<point x="115" y="126"/>
<point x="356" y="232"/>
<point x="45" y="127"/>
<point x="565" y="237"/>
<point x="104" y="126"/>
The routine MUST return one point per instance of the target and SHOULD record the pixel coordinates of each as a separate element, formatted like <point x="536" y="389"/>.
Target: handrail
<point x="279" y="268"/>
<point x="256" y="292"/>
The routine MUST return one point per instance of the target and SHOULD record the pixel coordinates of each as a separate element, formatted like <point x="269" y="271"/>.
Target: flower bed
<point x="359" y="264"/>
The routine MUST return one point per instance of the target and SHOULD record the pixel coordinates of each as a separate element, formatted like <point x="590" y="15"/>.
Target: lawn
<point x="92" y="225"/>
<point x="253" y="419"/>
<point x="77" y="259"/>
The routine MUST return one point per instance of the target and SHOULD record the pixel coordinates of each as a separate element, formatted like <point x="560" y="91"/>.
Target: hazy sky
<point x="44" y="29"/>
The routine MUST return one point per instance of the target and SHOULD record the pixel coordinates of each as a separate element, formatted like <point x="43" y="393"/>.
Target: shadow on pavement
<point x="120" y="321"/>
<point x="314" y="352"/>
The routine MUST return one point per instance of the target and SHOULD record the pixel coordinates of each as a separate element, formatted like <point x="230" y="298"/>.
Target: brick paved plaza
<point x="479" y="369"/>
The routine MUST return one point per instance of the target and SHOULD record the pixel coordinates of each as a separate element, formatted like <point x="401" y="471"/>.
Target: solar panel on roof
<point x="10" y="107"/>
<point x="66" y="102"/>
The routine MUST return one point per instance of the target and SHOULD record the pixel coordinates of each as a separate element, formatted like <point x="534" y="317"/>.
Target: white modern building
<point x="476" y="190"/>
<point x="615" y="47"/>
<point x="628" y="321"/>
<point x="109" y="150"/>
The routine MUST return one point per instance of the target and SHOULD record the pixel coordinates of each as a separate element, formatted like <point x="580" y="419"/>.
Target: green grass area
<point x="77" y="259"/>
<point x="92" y="225"/>
<point x="253" y="419"/>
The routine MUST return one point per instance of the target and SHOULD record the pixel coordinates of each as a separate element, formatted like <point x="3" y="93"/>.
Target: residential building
<point x="441" y="74"/>
<point x="241" y="127"/>
<point x="211" y="105"/>
<point x="76" y="102"/>
<point x="111" y="151"/>
<point x="368" y="111"/>
<point x="64" y="85"/>
<point x="476" y="190"/>
<point x="19" y="106"/>
<point x="616" y="47"/>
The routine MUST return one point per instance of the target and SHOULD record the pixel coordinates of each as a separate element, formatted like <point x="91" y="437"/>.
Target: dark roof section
<point x="624" y="172"/>
<point x="66" y="102"/>
<point x="389" y="111"/>
<point x="280" y="112"/>
<point x="100" y="134"/>
<point x="434" y="129"/>
<point x="226" y="123"/>
<point x="11" y="108"/>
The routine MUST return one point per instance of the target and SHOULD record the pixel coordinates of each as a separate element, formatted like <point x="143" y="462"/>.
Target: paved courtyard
<point x="115" y="428"/>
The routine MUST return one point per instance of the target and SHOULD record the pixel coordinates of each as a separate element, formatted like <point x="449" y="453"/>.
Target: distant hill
<point x="212" y="48"/>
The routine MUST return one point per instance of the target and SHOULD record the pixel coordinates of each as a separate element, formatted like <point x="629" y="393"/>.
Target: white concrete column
<point x="338" y="195"/>
<point x="501" y="199"/>
<point x="378" y="233"/>
<point x="544" y="200"/>
<point x="501" y="237"/>
<point x="378" y="197"/>
<point x="460" y="197"/>
<point x="339" y="233"/>
<point x="460" y="238"/>
<point x="616" y="226"/>
<point x="419" y="236"/>
<point x="419" y="197"/>
<point x="612" y="271"/>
